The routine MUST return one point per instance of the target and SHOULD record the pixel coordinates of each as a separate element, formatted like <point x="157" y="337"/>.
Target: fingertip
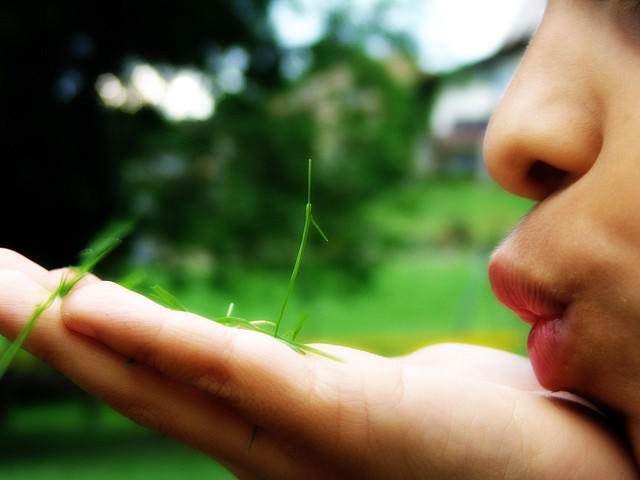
<point x="19" y="295"/>
<point x="13" y="261"/>
<point x="16" y="284"/>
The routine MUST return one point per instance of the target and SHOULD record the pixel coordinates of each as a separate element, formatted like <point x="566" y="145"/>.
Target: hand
<point x="447" y="411"/>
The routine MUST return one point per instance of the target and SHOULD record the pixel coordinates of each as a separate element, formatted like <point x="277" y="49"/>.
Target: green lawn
<point x="409" y="301"/>
<point x="59" y="442"/>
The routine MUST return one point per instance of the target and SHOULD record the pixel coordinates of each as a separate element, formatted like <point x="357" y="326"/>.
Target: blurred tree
<point x="234" y="185"/>
<point x="225" y="190"/>
<point x="58" y="167"/>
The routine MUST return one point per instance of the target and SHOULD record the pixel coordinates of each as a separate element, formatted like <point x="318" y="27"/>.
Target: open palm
<point x="265" y="411"/>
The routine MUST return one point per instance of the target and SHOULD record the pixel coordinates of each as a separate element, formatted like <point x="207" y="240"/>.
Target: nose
<point x="546" y="133"/>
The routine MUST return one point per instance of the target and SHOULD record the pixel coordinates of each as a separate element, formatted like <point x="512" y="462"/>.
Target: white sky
<point x="448" y="32"/>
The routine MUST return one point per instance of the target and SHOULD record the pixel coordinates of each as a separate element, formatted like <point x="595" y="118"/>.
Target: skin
<point x="446" y="411"/>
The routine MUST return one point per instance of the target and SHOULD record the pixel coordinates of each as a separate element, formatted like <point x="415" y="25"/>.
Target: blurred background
<point x="197" y="118"/>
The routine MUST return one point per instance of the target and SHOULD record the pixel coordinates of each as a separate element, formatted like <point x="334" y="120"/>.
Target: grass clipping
<point x="112" y="238"/>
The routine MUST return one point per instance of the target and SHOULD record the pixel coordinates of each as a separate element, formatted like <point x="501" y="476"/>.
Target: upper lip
<point x="530" y="299"/>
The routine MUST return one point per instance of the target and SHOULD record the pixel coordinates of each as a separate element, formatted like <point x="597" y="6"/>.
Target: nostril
<point x="546" y="177"/>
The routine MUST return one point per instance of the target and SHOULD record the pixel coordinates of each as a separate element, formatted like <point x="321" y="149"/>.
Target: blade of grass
<point x="298" y="328"/>
<point x="133" y="280"/>
<point x="306" y="349"/>
<point x="244" y="323"/>
<point x="14" y="347"/>
<point x="296" y="270"/>
<point x="164" y="297"/>
<point x="107" y="241"/>
<point x="315" y="224"/>
<point x="301" y="248"/>
<point x="262" y="322"/>
<point x="316" y="351"/>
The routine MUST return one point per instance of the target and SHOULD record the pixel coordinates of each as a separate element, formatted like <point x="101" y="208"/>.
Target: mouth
<point x="540" y="306"/>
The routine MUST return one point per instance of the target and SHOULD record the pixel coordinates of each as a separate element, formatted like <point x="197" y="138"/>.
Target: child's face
<point x="567" y="133"/>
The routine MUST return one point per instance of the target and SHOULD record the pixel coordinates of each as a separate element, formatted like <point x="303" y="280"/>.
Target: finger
<point x="136" y="390"/>
<point x="265" y="380"/>
<point x="10" y="260"/>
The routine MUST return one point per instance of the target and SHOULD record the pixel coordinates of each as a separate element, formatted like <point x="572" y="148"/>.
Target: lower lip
<point x="544" y="350"/>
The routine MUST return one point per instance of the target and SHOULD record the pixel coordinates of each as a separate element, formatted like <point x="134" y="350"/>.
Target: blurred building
<point x="462" y="111"/>
<point x="466" y="99"/>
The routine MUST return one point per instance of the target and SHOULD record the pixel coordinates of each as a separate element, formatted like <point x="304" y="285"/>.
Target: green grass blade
<point x="164" y="297"/>
<point x="309" y="167"/>
<point x="133" y="280"/>
<point x="307" y="349"/>
<point x="9" y="354"/>
<point x="262" y="322"/>
<point x="296" y="270"/>
<point x="320" y="353"/>
<point x="301" y="248"/>
<point x="317" y="227"/>
<point x="243" y="323"/>
<point x="103" y="245"/>
<point x="236" y="321"/>
<point x="67" y="284"/>
<point x="298" y="328"/>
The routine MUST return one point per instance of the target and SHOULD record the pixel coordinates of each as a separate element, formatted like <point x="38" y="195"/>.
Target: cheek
<point x="602" y="248"/>
<point x="612" y="186"/>
<point x="604" y="361"/>
<point x="601" y="245"/>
